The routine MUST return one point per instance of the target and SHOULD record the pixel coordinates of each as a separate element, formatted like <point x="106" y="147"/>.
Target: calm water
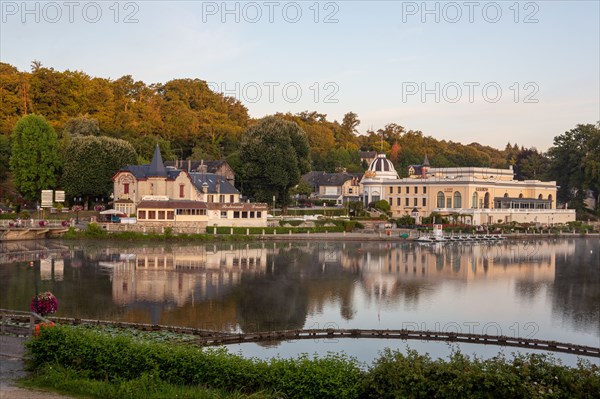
<point x="541" y="289"/>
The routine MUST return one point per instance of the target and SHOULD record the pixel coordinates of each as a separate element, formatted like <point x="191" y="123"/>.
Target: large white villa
<point x="472" y="195"/>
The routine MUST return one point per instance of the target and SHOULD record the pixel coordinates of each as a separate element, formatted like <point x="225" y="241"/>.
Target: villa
<point x="161" y="196"/>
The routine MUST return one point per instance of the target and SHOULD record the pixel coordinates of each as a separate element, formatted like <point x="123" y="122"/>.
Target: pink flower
<point x="44" y="303"/>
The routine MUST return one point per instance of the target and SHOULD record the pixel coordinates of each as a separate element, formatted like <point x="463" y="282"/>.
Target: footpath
<point x="12" y="368"/>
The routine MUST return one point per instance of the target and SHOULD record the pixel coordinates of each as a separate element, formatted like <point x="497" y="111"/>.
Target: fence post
<point x="31" y="324"/>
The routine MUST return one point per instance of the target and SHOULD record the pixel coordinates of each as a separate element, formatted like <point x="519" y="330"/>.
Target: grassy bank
<point x="97" y="364"/>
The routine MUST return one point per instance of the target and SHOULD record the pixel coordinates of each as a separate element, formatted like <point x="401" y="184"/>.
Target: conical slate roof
<point x="157" y="167"/>
<point x="426" y="161"/>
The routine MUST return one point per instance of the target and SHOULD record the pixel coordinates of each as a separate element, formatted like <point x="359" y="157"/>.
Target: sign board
<point x="47" y="198"/>
<point x="59" y="196"/>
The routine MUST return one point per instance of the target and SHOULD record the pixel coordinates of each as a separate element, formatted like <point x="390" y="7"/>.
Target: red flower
<point x="44" y="303"/>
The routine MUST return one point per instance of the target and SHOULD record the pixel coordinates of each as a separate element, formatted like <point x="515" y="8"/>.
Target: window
<point x="221" y="198"/>
<point x="236" y="214"/>
<point x="170" y="215"/>
<point x="181" y="191"/>
<point x="449" y="202"/>
<point x="151" y="214"/>
<point x="259" y="214"/>
<point x="457" y="200"/>
<point x="424" y="201"/>
<point x="125" y="188"/>
<point x="390" y="201"/>
<point x="416" y="202"/>
<point x="223" y="214"/>
<point x="416" y="190"/>
<point x="231" y="199"/>
<point x="244" y="214"/>
<point x="440" y="199"/>
<point x="406" y="201"/>
<point x="474" y="200"/>
<point x="210" y="198"/>
<point x="407" y="188"/>
<point x="399" y="189"/>
<point x="141" y="214"/>
<point x="350" y="190"/>
<point x="424" y="189"/>
<point x="398" y="201"/>
<point x="161" y="215"/>
<point x="391" y="190"/>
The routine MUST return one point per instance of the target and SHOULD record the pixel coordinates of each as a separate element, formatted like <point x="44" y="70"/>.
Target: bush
<point x="103" y="357"/>
<point x="94" y="230"/>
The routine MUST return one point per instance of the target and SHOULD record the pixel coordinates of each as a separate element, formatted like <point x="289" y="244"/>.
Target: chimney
<point x="189" y="164"/>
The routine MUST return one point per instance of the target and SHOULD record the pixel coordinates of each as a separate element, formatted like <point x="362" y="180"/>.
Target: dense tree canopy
<point x="275" y="153"/>
<point x="575" y="163"/>
<point x="190" y="121"/>
<point x="34" y="161"/>
<point x="90" y="163"/>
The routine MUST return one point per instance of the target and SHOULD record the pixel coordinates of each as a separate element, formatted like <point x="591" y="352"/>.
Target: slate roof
<point x="157" y="167"/>
<point x="143" y="171"/>
<point x="194" y="166"/>
<point x="198" y="179"/>
<point x="318" y="179"/>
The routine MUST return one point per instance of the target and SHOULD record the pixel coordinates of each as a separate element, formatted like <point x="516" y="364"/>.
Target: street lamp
<point x="77" y="201"/>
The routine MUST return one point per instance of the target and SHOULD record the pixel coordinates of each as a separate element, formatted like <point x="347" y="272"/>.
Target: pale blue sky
<point x="375" y="60"/>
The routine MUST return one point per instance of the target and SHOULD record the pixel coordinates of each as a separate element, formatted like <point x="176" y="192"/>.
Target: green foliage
<point x="4" y="157"/>
<point x="382" y="205"/>
<point x="396" y="375"/>
<point x="405" y="220"/>
<point x="575" y="164"/>
<point x="136" y="367"/>
<point x="90" y="162"/>
<point x="102" y="357"/>
<point x="94" y="230"/>
<point x="82" y="126"/>
<point x="275" y="153"/>
<point x="34" y="161"/>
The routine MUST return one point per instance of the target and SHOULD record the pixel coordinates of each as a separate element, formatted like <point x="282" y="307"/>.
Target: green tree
<point x="4" y="157"/>
<point x="90" y="163"/>
<point x="275" y="153"/>
<point x="83" y="126"/>
<point x="574" y="163"/>
<point x="34" y="161"/>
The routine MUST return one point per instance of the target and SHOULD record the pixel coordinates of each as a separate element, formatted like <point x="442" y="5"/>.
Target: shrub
<point x="103" y="357"/>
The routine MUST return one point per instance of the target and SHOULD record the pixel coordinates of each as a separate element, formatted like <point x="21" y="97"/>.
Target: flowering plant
<point x="44" y="303"/>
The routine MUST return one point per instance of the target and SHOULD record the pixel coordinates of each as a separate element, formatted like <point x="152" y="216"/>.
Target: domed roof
<point x="381" y="168"/>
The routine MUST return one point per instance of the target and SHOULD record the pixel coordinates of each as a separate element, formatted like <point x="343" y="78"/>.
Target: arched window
<point x="475" y="200"/>
<point x="440" y="199"/>
<point x="550" y="197"/>
<point x="540" y="196"/>
<point x="486" y="201"/>
<point x="457" y="200"/>
<point x="505" y="195"/>
<point x="521" y="195"/>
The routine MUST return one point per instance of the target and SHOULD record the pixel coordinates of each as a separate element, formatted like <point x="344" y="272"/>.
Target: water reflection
<point x="554" y="284"/>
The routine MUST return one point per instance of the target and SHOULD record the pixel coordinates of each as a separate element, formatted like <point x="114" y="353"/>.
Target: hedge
<point x="100" y="356"/>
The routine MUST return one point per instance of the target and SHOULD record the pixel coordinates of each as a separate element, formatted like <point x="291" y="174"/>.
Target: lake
<point x="546" y="289"/>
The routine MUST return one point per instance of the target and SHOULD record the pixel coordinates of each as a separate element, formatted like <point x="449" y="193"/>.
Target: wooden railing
<point x="208" y="337"/>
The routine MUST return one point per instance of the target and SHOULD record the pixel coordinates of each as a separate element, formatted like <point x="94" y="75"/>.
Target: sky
<point x="466" y="71"/>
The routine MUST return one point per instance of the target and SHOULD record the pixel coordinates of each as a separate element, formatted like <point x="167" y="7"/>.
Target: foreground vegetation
<point x="99" y="364"/>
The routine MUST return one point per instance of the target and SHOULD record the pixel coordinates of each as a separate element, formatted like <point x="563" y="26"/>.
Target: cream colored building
<point x="470" y="195"/>
<point x="162" y="196"/>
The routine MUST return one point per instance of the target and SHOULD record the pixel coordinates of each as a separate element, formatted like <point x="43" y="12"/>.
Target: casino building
<point x="470" y="195"/>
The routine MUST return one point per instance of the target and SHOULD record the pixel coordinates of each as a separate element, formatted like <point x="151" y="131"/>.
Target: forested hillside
<point x="190" y="121"/>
